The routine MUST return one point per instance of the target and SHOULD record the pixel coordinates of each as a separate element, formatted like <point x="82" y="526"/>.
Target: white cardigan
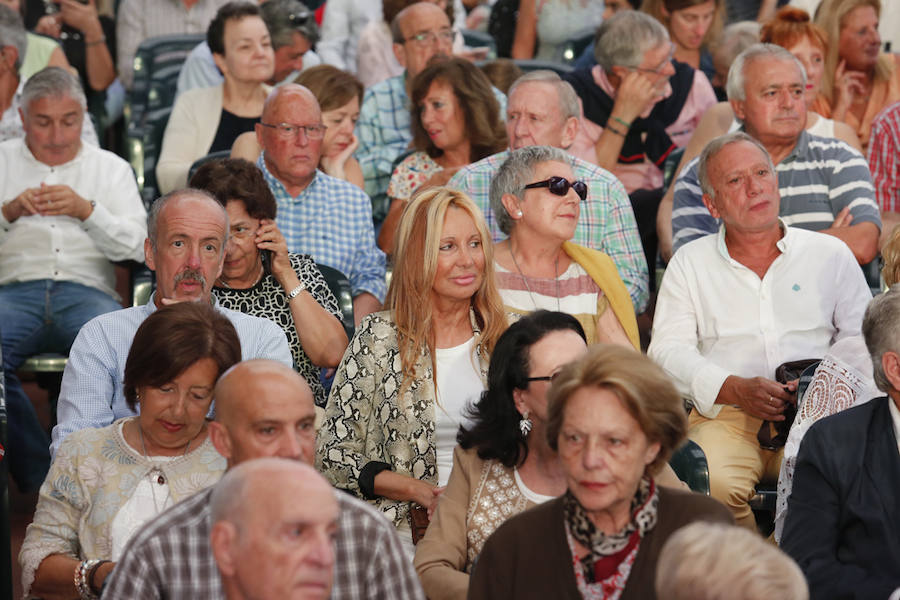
<point x="189" y="134"/>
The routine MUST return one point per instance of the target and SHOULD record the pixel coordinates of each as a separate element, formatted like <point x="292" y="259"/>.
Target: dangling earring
<point x="525" y="425"/>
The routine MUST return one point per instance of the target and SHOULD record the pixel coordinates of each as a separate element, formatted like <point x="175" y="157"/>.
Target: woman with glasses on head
<point x="537" y="202"/>
<point x="206" y="120"/>
<point x="455" y="122"/>
<point x="261" y="278"/>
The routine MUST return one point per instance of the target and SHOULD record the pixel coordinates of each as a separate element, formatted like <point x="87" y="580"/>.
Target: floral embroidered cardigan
<point x="93" y="475"/>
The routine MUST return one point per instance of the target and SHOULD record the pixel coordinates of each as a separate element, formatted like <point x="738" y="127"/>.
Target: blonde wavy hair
<point x="415" y="264"/>
<point x="830" y="17"/>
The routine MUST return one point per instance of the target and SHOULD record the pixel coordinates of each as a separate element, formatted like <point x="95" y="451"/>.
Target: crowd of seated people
<point x="538" y="326"/>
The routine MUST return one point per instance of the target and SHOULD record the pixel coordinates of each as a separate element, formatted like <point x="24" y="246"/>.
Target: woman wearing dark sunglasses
<point x="536" y="202"/>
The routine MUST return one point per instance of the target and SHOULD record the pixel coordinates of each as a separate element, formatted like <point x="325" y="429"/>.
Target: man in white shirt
<point x="68" y="210"/>
<point x="734" y="306"/>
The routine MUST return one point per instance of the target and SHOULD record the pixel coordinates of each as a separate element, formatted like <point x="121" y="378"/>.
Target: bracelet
<point x="622" y="122"/>
<point x="88" y="44"/>
<point x="616" y="131"/>
<point x="81" y="579"/>
<point x="90" y="577"/>
<point x="296" y="292"/>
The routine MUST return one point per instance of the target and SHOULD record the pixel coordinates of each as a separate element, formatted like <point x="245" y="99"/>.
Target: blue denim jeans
<point x="35" y="317"/>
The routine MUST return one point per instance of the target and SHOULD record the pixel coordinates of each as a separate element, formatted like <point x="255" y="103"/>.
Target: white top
<point x="148" y="500"/>
<point x="65" y="248"/>
<point x="530" y="495"/>
<point x="342" y="24"/>
<point x="458" y="385"/>
<point x="715" y="317"/>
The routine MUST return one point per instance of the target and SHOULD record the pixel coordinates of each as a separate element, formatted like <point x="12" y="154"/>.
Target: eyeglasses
<point x="560" y="186"/>
<point x="288" y="131"/>
<point x="549" y="378"/>
<point x="659" y="67"/>
<point x="427" y="38"/>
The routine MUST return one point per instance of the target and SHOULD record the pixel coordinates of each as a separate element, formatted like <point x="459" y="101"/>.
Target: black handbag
<point x="773" y="435"/>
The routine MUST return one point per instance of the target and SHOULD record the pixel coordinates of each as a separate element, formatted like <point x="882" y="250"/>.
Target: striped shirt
<point x="606" y="224"/>
<point x="817" y="180"/>
<point x="884" y="158"/>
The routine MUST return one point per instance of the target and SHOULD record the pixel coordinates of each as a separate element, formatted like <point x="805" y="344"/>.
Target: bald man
<point x="263" y="409"/>
<point x="274" y="522"/>
<point x="328" y="218"/>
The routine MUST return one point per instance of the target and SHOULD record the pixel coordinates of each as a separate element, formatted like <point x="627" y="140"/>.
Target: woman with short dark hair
<point x="261" y="278"/>
<point x="104" y="484"/>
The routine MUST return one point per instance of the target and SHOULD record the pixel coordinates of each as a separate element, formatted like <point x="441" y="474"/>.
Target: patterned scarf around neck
<point x="605" y="552"/>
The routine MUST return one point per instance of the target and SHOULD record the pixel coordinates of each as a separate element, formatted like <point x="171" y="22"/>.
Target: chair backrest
<point x="689" y="463"/>
<point x="480" y="39"/>
<point x="340" y="287"/>
<point x="578" y="41"/>
<point x="534" y="65"/>
<point x="205" y="159"/>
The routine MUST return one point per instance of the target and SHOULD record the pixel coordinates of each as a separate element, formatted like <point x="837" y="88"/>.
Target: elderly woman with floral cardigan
<point x="104" y="484"/>
<point x="400" y="390"/>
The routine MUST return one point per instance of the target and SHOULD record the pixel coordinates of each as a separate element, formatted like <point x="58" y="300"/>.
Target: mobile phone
<point x="266" y="258"/>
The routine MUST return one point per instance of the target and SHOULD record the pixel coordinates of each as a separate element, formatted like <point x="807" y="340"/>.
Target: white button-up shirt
<point x="65" y="248"/>
<point x="715" y="317"/>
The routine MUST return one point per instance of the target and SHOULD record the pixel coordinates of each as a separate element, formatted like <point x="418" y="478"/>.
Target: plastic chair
<point x="533" y="65"/>
<point x="689" y="463"/>
<point x="205" y="159"/>
<point x="340" y="287"/>
<point x="576" y="45"/>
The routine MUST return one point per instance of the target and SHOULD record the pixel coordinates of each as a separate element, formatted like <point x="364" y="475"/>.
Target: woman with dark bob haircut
<point x="261" y="278"/>
<point x="104" y="484"/>
<point x="614" y="418"/>
<point x="456" y="121"/>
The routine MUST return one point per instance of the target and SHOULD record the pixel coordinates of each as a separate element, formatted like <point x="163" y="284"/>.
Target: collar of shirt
<point x="783" y="244"/>
<point x="895" y="417"/>
<point x="278" y="189"/>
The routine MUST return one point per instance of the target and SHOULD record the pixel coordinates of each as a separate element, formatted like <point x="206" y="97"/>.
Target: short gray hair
<point x="568" y="99"/>
<point x="12" y="32"/>
<point x="735" y="86"/>
<point x="705" y="560"/>
<point x="52" y="82"/>
<point x="515" y="173"/>
<point x="623" y="39"/>
<point x="284" y="17"/>
<point x="881" y="329"/>
<point x="714" y="147"/>
<point x="160" y="203"/>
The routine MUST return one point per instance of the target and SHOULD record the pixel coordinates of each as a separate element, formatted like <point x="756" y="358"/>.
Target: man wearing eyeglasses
<point x="639" y="107"/>
<point x="420" y="32"/>
<point x="325" y="217"/>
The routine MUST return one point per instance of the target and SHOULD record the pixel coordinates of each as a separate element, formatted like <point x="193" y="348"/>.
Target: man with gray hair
<point x="293" y="31"/>
<point x="639" y="106"/>
<point x="273" y="526"/>
<point x="734" y="306"/>
<point x="841" y="525"/>
<point x="13" y="44"/>
<point x="186" y="235"/>
<point x="825" y="184"/>
<point x="69" y="210"/>
<point x="543" y="111"/>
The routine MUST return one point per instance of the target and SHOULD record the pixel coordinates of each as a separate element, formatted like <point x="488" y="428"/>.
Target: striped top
<point x="578" y="295"/>
<point x="816" y="180"/>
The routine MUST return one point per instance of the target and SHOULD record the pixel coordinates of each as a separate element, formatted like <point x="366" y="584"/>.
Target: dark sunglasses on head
<point x="560" y="186"/>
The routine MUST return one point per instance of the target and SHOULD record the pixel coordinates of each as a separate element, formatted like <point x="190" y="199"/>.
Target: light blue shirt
<point x="331" y="220"/>
<point x="91" y="394"/>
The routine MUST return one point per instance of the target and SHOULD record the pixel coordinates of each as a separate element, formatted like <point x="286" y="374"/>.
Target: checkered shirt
<point x="171" y="558"/>
<point x="884" y="158"/>
<point x="331" y="220"/>
<point x="384" y="130"/>
<point x="606" y="222"/>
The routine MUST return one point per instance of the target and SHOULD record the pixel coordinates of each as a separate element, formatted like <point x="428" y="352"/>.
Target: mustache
<point x="192" y="275"/>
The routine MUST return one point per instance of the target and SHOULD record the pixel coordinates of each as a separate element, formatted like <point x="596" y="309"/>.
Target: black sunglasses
<point x="549" y="378"/>
<point x="560" y="186"/>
